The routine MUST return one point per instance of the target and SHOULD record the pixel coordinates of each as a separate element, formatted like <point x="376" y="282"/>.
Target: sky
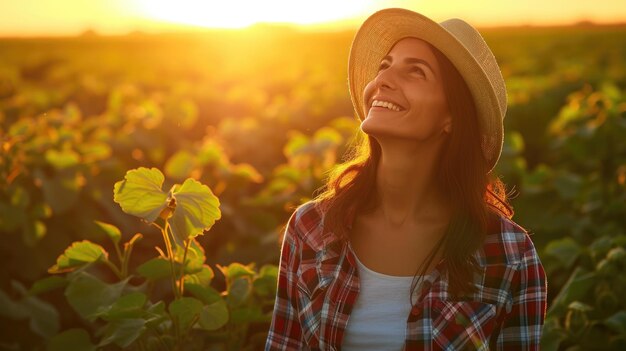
<point x="23" y="18"/>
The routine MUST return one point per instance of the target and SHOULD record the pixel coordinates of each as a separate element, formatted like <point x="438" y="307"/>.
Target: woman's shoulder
<point x="506" y="241"/>
<point x="307" y="223"/>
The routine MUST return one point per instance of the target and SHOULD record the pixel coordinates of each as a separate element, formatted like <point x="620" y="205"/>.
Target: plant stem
<point x="113" y="268"/>
<point x="182" y="270"/>
<point x="128" y="249"/>
<point x="119" y="253"/>
<point x="170" y="253"/>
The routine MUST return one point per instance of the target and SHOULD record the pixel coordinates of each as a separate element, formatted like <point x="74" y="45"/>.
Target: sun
<point x="242" y="13"/>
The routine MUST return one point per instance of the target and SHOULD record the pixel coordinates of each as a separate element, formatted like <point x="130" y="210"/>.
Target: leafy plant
<point x="122" y="312"/>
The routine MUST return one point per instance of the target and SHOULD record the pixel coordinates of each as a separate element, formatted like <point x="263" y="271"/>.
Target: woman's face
<point x="409" y="78"/>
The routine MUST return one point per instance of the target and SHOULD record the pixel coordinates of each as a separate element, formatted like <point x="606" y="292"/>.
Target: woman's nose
<point x="386" y="78"/>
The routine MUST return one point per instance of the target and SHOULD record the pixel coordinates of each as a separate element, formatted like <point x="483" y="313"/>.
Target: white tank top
<point x="378" y="318"/>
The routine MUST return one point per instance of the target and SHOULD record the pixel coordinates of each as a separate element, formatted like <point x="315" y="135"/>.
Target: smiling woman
<point x="240" y="13"/>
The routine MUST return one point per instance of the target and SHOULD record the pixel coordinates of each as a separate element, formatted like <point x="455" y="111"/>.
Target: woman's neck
<point x="406" y="183"/>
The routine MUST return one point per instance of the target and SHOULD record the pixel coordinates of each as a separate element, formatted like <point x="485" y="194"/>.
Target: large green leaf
<point x="203" y="277"/>
<point x="156" y="268"/>
<point x="127" y="306"/>
<point x="77" y="255"/>
<point x="47" y="284"/>
<point x="89" y="295"/>
<point x="71" y="339"/>
<point x="197" y="209"/>
<point x="574" y="289"/>
<point x="123" y="332"/>
<point x="204" y="293"/>
<point x="214" y="316"/>
<point x="185" y="310"/>
<point x="140" y="193"/>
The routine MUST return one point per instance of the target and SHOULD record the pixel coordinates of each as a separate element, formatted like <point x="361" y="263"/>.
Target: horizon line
<point x="324" y="27"/>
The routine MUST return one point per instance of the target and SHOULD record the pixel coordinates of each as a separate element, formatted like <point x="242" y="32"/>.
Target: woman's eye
<point x="417" y="69"/>
<point x="382" y="66"/>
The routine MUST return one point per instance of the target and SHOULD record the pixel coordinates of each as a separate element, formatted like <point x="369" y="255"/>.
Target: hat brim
<point x="383" y="29"/>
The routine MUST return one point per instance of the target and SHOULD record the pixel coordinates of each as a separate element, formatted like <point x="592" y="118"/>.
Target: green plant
<point x="122" y="312"/>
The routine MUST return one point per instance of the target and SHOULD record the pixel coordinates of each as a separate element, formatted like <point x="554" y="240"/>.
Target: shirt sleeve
<point x="285" y="332"/>
<point x="522" y="327"/>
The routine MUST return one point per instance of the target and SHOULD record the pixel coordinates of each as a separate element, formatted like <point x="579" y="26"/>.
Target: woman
<point x="411" y="245"/>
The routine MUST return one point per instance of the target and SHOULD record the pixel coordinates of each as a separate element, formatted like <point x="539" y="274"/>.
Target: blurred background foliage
<point x="260" y="115"/>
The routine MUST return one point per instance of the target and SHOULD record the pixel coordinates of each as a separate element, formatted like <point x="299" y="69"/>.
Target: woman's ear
<point x="447" y="125"/>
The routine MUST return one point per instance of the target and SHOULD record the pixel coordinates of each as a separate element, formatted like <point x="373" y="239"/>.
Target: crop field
<point x="250" y="122"/>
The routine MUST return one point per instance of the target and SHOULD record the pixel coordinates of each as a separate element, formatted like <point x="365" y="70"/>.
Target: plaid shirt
<point x="318" y="285"/>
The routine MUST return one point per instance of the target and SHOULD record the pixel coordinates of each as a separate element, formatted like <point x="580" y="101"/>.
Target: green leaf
<point x="185" y="310"/>
<point x="77" y="255"/>
<point x="62" y="159"/>
<point x="552" y="335"/>
<point x="265" y="283"/>
<point x="88" y="295"/>
<point x="140" y="194"/>
<point x="197" y="209"/>
<point x="10" y="308"/>
<point x="204" y="293"/>
<point x="195" y="258"/>
<point x="617" y="322"/>
<point x="239" y="290"/>
<point x="247" y="172"/>
<point x="214" y="316"/>
<point x="566" y="250"/>
<point x="203" y="277"/>
<point x="246" y="315"/>
<point x="155" y="314"/>
<point x="180" y="165"/>
<point x="155" y="269"/>
<point x="127" y="306"/>
<point x="44" y="318"/>
<point x="71" y="339"/>
<point x="123" y="332"/>
<point x="111" y="231"/>
<point x="236" y="270"/>
<point x="47" y="284"/>
<point x="574" y="289"/>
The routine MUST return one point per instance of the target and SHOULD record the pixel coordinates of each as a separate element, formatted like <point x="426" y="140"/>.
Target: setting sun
<point x="240" y="13"/>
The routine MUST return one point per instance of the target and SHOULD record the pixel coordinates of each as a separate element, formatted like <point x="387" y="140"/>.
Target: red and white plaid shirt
<point x="318" y="285"/>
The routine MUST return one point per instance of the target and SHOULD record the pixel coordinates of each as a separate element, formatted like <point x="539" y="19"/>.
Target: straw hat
<point x="458" y="41"/>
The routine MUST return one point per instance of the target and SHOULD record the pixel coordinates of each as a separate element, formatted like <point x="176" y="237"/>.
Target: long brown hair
<point x="462" y="178"/>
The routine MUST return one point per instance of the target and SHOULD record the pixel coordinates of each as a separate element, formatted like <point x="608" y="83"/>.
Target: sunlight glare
<point x="242" y="13"/>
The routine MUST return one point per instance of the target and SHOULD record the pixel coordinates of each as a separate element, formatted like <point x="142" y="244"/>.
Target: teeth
<point x="386" y="104"/>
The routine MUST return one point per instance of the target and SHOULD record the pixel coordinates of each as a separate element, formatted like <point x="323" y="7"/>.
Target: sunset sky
<point x="70" y="17"/>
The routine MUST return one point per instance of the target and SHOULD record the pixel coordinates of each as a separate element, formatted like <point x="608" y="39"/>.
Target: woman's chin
<point x="377" y="127"/>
